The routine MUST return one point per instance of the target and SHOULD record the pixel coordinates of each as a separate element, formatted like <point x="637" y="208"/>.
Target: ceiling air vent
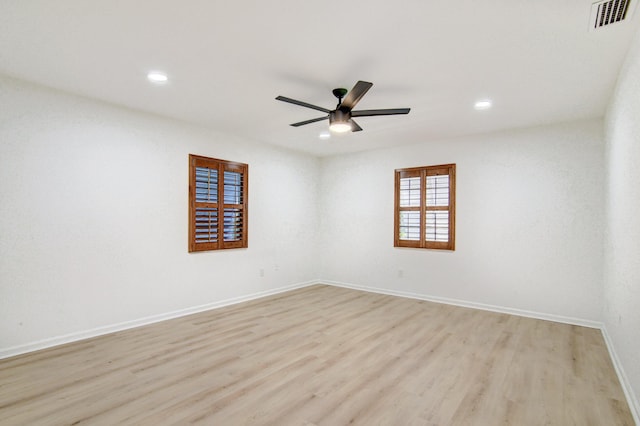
<point x="608" y="12"/>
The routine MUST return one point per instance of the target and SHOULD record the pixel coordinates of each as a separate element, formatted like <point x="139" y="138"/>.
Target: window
<point x="217" y="204"/>
<point x="425" y="207"/>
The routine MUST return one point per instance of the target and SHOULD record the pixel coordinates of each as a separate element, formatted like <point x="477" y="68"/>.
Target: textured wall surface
<point x="622" y="246"/>
<point x="94" y="216"/>
<point x="528" y="222"/>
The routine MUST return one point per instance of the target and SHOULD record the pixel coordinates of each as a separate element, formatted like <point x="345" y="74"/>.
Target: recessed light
<point x="324" y="135"/>
<point x="157" y="77"/>
<point x="483" y="104"/>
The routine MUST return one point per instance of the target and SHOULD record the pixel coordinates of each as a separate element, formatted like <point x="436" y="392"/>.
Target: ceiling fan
<point x="341" y="118"/>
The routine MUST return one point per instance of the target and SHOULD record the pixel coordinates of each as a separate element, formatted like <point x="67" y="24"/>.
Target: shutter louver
<point x="233" y="213"/>
<point x="437" y="221"/>
<point x="206" y="225"/>
<point x="437" y="226"/>
<point x="206" y="185"/>
<point x="437" y="190"/>
<point x="410" y="225"/>
<point x="410" y="197"/>
<point x="409" y="200"/>
<point x="410" y="192"/>
<point x="232" y="187"/>
<point x="232" y="224"/>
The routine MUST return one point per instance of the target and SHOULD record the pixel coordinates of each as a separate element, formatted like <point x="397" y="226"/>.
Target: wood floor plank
<point x="323" y="355"/>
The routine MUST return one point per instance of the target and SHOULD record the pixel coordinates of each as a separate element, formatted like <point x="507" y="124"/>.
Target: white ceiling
<point x="228" y="60"/>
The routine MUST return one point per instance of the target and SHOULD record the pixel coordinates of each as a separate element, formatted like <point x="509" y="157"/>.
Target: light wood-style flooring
<point x="323" y="355"/>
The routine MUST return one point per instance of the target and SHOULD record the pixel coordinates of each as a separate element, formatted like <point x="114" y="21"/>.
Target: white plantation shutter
<point x="425" y="207"/>
<point x="217" y="204"/>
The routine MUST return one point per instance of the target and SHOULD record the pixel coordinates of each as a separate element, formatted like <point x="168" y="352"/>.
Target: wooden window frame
<point x="221" y="166"/>
<point x="422" y="173"/>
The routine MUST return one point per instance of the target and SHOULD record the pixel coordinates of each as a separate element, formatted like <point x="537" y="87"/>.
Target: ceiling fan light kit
<point x="340" y="119"/>
<point x="339" y="122"/>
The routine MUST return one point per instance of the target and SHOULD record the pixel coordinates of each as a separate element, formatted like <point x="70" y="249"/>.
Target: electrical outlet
<point x="400" y="273"/>
<point x="262" y="272"/>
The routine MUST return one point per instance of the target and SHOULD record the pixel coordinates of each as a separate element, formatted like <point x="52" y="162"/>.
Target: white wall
<point x="93" y="216"/>
<point x="622" y="242"/>
<point x="528" y="222"/>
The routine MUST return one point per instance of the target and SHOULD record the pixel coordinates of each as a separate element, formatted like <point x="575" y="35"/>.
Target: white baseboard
<point x="86" y="334"/>
<point x="632" y="400"/>
<point x="634" y="405"/>
<point x="474" y="305"/>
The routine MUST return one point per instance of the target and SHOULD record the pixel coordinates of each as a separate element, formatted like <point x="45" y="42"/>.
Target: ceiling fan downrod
<point x="339" y="93"/>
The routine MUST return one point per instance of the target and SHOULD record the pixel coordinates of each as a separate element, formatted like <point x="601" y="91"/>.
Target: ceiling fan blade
<point x="355" y="95"/>
<point x="372" y="112"/>
<point x="313" y="120"/>
<point x="355" y="127"/>
<point x="304" y="104"/>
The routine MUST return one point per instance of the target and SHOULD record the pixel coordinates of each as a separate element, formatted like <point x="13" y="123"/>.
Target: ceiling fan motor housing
<point x="339" y="116"/>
